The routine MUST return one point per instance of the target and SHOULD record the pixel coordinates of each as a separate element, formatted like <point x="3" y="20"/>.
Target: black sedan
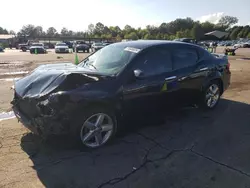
<point x="98" y="46"/>
<point x="81" y="48"/>
<point x="119" y="82"/>
<point x="37" y="48"/>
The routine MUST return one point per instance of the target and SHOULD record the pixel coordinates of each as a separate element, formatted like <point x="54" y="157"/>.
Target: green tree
<point x="197" y="31"/>
<point x="3" y="31"/>
<point x="228" y="21"/>
<point x="245" y="31"/>
<point x="38" y="31"/>
<point x="127" y="30"/>
<point x="64" y="31"/>
<point x="131" y="35"/>
<point x="91" y="29"/>
<point x="148" y="36"/>
<point x="99" y="28"/>
<point x="51" y="32"/>
<point x="27" y="30"/>
<point x="12" y="32"/>
<point x="207" y="27"/>
<point x="118" y="38"/>
<point x="234" y="34"/>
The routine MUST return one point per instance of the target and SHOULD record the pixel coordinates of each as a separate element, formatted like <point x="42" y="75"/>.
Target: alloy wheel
<point x="212" y="95"/>
<point x="97" y="130"/>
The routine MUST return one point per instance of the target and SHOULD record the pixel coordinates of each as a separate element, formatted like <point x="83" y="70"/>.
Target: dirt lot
<point x="191" y="149"/>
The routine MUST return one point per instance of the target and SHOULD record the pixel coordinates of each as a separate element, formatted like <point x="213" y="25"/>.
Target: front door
<point x="146" y="94"/>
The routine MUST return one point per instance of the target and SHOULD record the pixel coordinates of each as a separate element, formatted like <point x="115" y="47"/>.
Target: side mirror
<point x="138" y="73"/>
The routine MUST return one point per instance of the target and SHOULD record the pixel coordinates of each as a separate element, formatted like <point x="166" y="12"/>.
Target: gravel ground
<point x="191" y="149"/>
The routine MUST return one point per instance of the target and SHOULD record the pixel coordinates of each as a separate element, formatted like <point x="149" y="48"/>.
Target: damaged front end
<point x="43" y="117"/>
<point x="43" y="102"/>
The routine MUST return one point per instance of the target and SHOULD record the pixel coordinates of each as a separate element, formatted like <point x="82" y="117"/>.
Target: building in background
<point x="7" y="40"/>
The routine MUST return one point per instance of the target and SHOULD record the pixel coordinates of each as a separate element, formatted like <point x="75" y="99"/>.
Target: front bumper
<point x="82" y="49"/>
<point x="39" y="50"/>
<point x="62" y="50"/>
<point x="40" y="124"/>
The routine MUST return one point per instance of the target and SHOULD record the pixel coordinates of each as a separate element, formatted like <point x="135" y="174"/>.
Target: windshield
<point x="108" y="60"/>
<point x="61" y="44"/>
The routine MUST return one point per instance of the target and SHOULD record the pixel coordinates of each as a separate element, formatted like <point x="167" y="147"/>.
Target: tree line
<point x="179" y="28"/>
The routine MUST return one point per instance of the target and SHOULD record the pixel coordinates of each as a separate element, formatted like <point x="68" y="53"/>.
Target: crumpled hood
<point x="47" y="78"/>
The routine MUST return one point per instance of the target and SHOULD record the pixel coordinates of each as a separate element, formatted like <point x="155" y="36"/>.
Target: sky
<point x="78" y="14"/>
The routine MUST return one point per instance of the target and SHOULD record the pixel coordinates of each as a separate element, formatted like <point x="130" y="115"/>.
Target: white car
<point x="238" y="45"/>
<point x="61" y="48"/>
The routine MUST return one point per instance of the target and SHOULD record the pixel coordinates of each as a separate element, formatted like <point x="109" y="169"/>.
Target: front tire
<point x="211" y="95"/>
<point x="96" y="128"/>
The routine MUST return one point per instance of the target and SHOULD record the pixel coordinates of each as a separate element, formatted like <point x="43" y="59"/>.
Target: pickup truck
<point x="26" y="46"/>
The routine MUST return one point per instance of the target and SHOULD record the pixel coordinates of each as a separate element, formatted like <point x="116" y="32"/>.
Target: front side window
<point x="154" y="62"/>
<point x="184" y="57"/>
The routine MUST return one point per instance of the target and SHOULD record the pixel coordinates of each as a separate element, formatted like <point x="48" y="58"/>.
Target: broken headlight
<point x="45" y="109"/>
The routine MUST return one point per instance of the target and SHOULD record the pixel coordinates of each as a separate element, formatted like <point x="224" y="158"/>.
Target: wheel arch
<point x="216" y="78"/>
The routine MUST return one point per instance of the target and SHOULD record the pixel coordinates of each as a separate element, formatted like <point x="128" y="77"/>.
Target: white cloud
<point x="213" y="18"/>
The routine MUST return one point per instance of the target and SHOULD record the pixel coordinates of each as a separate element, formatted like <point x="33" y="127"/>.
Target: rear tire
<point x="82" y="127"/>
<point x="210" y="96"/>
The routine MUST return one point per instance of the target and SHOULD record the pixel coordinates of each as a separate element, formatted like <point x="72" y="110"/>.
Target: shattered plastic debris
<point x="7" y="115"/>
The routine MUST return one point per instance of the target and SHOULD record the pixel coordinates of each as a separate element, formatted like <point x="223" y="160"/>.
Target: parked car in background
<point x="90" y="101"/>
<point x="49" y="45"/>
<point x="37" y="48"/>
<point x="98" y="46"/>
<point x="69" y="43"/>
<point x="81" y="47"/>
<point x="188" y="40"/>
<point x="26" y="46"/>
<point x="61" y="48"/>
<point x="1" y="49"/>
<point x="246" y="45"/>
<point x="238" y="45"/>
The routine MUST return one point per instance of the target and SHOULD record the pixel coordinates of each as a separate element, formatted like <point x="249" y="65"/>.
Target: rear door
<point x="147" y="94"/>
<point x="188" y="75"/>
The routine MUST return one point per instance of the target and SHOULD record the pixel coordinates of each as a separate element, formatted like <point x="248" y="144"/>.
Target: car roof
<point x="143" y="44"/>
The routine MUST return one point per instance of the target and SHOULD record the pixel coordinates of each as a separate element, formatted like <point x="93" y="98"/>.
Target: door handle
<point x="170" y="78"/>
<point x="203" y="69"/>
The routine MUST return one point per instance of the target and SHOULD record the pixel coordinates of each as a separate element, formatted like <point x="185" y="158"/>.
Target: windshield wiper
<point x="92" y="65"/>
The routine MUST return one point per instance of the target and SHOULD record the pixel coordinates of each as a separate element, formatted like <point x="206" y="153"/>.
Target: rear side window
<point x="184" y="57"/>
<point x="204" y="54"/>
<point x="154" y="62"/>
